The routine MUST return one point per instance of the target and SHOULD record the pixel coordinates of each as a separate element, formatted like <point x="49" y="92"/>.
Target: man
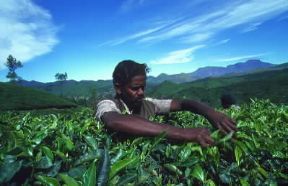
<point x="129" y="111"/>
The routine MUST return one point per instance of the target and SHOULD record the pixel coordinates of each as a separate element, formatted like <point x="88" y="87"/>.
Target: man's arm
<point x="217" y="119"/>
<point x="138" y="126"/>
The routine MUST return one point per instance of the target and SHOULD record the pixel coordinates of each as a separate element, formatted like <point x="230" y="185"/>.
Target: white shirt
<point x="161" y="106"/>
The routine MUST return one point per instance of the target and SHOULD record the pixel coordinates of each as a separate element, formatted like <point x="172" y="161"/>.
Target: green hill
<point x="73" y="89"/>
<point x="14" y="97"/>
<point x="265" y="85"/>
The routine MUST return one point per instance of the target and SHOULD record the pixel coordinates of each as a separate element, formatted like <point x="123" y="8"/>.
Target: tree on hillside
<point x="12" y="64"/>
<point x="61" y="77"/>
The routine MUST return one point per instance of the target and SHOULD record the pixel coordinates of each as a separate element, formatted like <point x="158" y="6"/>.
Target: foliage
<point x="12" y="64"/>
<point x="14" y="97"/>
<point x="61" y="76"/>
<point x="74" y="149"/>
<point x="270" y="85"/>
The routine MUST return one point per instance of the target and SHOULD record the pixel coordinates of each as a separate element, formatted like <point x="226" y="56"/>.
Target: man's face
<point x="133" y="93"/>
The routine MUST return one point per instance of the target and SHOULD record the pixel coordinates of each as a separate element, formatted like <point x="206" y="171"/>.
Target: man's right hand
<point x="138" y="126"/>
<point x="199" y="135"/>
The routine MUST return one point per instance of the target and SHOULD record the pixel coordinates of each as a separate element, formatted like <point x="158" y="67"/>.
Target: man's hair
<point x="227" y="100"/>
<point x="126" y="70"/>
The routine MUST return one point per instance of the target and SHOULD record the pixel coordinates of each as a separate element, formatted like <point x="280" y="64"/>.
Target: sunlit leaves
<point x="46" y="180"/>
<point x="74" y="149"/>
<point x="238" y="154"/>
<point x="121" y="164"/>
<point x="68" y="180"/>
<point x="104" y="168"/>
<point x="89" y="177"/>
<point x="198" y="173"/>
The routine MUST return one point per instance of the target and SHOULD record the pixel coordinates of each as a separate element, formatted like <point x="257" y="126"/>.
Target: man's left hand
<point x="222" y="122"/>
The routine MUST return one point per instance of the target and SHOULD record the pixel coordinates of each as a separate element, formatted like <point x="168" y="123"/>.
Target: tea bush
<point x="74" y="149"/>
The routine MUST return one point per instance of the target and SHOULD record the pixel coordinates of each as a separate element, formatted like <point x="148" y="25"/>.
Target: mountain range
<point x="104" y="88"/>
<point x="213" y="71"/>
<point x="252" y="79"/>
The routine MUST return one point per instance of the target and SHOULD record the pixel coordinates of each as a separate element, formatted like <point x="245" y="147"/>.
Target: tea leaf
<point x="48" y="152"/>
<point x="48" y="180"/>
<point x="68" y="180"/>
<point x="238" y="154"/>
<point x="118" y="166"/>
<point x="90" y="140"/>
<point x="198" y="173"/>
<point x="173" y="168"/>
<point x="89" y="177"/>
<point x="104" y="168"/>
<point x="9" y="168"/>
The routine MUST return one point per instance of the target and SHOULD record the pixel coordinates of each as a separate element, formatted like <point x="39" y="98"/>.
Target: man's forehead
<point x="138" y="80"/>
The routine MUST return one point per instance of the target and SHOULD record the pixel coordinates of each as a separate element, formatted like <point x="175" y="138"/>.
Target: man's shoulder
<point x="106" y="101"/>
<point x="106" y="105"/>
<point x="157" y="101"/>
<point x="161" y="105"/>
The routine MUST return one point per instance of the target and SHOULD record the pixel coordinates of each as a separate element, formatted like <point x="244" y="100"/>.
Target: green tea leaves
<point x="48" y="180"/>
<point x="104" y="166"/>
<point x="198" y="173"/>
<point x="71" y="148"/>
<point x="238" y="154"/>
<point x="9" y="167"/>
<point x="68" y="180"/>
<point x="121" y="164"/>
<point x="89" y="177"/>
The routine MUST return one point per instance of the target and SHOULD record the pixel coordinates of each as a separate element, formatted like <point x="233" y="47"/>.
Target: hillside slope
<point x="213" y="71"/>
<point x="14" y="97"/>
<point x="271" y="85"/>
<point x="262" y="83"/>
<point x="104" y="88"/>
<point x="72" y="88"/>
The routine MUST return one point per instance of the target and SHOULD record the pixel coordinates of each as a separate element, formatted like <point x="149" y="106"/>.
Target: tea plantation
<point x="71" y="148"/>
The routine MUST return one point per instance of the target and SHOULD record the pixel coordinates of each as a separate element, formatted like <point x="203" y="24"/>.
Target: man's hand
<point x="222" y="122"/>
<point x="199" y="135"/>
<point x="217" y="119"/>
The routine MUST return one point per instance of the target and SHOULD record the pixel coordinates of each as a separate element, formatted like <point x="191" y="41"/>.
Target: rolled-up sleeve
<point x="105" y="106"/>
<point x="162" y="106"/>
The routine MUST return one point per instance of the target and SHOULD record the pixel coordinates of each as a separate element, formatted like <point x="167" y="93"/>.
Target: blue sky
<point x="87" y="38"/>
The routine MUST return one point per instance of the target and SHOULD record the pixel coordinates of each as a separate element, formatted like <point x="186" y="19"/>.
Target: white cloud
<point x="178" y="56"/>
<point x="199" y="37"/>
<point x="170" y="32"/>
<point x="231" y="16"/>
<point x="26" y="31"/>
<point x="222" y="42"/>
<point x="158" y="25"/>
<point x="131" y="37"/>
<point x="252" y="27"/>
<point x="244" y="57"/>
<point x="186" y="28"/>
<point x="246" y="14"/>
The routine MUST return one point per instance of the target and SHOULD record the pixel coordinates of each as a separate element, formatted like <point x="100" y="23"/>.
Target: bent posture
<point x="129" y="111"/>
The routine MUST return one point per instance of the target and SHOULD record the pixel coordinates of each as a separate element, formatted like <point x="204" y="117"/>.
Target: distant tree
<point x="61" y="77"/>
<point x="12" y="64"/>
